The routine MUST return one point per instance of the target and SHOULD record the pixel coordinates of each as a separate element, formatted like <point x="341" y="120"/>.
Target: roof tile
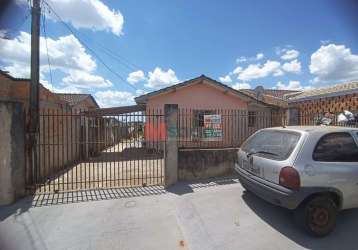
<point x="73" y="99"/>
<point x="338" y="89"/>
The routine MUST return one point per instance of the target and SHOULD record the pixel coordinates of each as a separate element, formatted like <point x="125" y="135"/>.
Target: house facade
<point x="202" y="93"/>
<point x="309" y="105"/>
<point x="209" y="112"/>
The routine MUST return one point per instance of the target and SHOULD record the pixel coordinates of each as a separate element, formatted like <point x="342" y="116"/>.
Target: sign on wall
<point x="213" y="127"/>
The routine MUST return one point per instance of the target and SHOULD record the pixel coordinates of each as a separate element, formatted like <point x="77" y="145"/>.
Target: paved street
<point x="203" y="215"/>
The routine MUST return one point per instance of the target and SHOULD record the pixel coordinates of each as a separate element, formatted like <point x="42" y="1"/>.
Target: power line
<point x="109" y="52"/>
<point x="87" y="47"/>
<point x="116" y="56"/>
<point x="21" y="23"/>
<point x="129" y="65"/>
<point x="48" y="57"/>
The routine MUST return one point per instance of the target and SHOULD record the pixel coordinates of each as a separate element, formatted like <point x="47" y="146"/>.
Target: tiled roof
<point x="269" y="99"/>
<point x="248" y="95"/>
<point x="336" y="90"/>
<point x="280" y="93"/>
<point x="74" y="99"/>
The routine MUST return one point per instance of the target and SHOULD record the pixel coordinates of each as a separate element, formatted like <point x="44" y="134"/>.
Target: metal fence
<point x="313" y="119"/>
<point x="79" y="150"/>
<point x="216" y="128"/>
<point x="223" y="128"/>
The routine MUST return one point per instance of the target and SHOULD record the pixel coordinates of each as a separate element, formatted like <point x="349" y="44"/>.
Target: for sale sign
<point x="213" y="127"/>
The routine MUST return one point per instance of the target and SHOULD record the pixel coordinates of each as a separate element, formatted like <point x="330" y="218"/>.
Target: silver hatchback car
<point x="311" y="170"/>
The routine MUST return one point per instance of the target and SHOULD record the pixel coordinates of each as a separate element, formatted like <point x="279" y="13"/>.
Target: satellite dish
<point x="259" y="91"/>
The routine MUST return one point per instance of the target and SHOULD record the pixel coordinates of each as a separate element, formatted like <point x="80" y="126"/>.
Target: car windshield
<point x="273" y="144"/>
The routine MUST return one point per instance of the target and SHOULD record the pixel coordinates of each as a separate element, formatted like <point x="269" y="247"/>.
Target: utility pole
<point x="34" y="88"/>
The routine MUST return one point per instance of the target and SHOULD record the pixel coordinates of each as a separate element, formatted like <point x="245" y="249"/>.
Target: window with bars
<point x="198" y="122"/>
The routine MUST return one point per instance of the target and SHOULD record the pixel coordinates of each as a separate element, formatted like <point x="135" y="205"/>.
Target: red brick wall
<point x="19" y="90"/>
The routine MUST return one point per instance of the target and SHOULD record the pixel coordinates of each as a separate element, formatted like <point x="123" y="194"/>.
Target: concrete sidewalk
<point x="204" y="215"/>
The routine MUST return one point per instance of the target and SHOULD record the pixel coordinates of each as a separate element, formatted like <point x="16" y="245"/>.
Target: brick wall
<point x="330" y="104"/>
<point x="12" y="89"/>
<point x="58" y="133"/>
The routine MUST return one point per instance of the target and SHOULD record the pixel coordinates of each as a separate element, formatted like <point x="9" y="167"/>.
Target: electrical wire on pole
<point x="89" y="48"/>
<point x="34" y="89"/>
<point x="48" y="57"/>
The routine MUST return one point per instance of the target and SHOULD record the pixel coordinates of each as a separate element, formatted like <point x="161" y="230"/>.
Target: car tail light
<point x="290" y="178"/>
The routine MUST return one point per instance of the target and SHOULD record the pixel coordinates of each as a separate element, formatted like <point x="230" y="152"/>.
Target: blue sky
<point x="153" y="44"/>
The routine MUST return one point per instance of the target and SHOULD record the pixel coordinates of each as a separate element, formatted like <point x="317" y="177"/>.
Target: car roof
<point x="313" y="129"/>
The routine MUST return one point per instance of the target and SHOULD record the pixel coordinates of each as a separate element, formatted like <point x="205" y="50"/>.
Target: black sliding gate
<point x="78" y="150"/>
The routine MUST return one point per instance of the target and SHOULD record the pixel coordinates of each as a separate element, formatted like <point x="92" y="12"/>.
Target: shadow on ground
<point x="48" y="199"/>
<point x="127" y="154"/>
<point x="281" y="219"/>
<point x="185" y="187"/>
<point x="16" y="209"/>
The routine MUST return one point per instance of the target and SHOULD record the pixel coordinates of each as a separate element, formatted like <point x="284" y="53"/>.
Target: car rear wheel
<point x="318" y="215"/>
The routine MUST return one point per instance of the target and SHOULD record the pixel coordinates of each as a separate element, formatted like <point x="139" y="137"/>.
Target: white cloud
<point x="241" y="59"/>
<point x="160" y="78"/>
<point x="66" y="89"/>
<point x="292" y="85"/>
<point x="3" y="33"/>
<point x="237" y="70"/>
<point x="254" y="71"/>
<point x="269" y="68"/>
<point x="334" y="63"/>
<point x="139" y="92"/>
<point x="259" y="56"/>
<point x="292" y="67"/>
<point x="21" y="70"/>
<point x="289" y="54"/>
<point x="242" y="85"/>
<point x="110" y="98"/>
<point x="136" y="76"/>
<point x="225" y="79"/>
<point x="325" y="42"/>
<point x="89" y="14"/>
<point x="279" y="72"/>
<point x="82" y="79"/>
<point x="66" y="54"/>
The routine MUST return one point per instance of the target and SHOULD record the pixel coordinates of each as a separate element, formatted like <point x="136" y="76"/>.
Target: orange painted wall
<point x="198" y="96"/>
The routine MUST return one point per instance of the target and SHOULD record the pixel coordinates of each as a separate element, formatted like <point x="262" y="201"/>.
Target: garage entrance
<point x="105" y="148"/>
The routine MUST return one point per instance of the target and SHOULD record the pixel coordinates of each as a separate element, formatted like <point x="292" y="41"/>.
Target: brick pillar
<point x="12" y="152"/>
<point x="171" y="145"/>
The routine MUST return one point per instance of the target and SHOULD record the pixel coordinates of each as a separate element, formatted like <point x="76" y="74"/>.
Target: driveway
<point x="214" y="214"/>
<point x="122" y="165"/>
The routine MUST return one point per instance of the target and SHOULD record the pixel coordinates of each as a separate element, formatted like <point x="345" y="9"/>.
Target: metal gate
<point x="116" y="147"/>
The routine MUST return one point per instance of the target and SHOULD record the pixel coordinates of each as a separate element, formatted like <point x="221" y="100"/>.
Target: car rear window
<point x="273" y="144"/>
